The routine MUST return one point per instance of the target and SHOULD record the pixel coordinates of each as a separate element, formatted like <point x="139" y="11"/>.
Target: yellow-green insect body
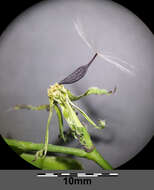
<point x="61" y="99"/>
<point x="59" y="94"/>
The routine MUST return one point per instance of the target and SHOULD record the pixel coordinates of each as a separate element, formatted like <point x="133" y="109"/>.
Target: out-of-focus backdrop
<point x="42" y="47"/>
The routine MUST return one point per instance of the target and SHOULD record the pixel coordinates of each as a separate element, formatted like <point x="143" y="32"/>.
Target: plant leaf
<point x="53" y="162"/>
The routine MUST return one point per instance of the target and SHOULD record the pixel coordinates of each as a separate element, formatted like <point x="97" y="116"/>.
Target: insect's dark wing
<point x="77" y="74"/>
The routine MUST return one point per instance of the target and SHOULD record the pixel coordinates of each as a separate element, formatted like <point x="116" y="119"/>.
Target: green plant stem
<point x="96" y="157"/>
<point x="29" y="146"/>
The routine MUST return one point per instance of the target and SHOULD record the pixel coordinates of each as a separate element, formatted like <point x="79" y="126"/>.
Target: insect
<point x="61" y="99"/>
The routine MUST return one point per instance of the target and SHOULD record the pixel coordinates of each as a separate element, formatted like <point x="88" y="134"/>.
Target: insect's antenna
<point x="78" y="73"/>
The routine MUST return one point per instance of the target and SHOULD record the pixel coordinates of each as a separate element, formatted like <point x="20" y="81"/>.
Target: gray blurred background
<point x="42" y="47"/>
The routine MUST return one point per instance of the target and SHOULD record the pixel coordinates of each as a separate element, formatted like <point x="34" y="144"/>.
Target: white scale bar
<point x="47" y="175"/>
<point x="78" y="174"/>
<point x="65" y="174"/>
<point x="115" y="174"/>
<point x="90" y="175"/>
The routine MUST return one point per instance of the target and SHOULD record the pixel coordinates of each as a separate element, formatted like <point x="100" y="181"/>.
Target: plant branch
<point x="29" y="146"/>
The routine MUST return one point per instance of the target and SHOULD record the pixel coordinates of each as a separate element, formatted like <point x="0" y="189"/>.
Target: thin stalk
<point x="29" y="146"/>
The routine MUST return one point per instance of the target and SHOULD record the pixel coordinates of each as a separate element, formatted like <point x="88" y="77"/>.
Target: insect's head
<point x="57" y="93"/>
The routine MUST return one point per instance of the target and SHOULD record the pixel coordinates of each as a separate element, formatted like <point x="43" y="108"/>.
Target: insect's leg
<point x="47" y="133"/>
<point x="101" y="123"/>
<point x="60" y="119"/>
<point x="92" y="90"/>
<point x="43" y="151"/>
<point x="30" y="107"/>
